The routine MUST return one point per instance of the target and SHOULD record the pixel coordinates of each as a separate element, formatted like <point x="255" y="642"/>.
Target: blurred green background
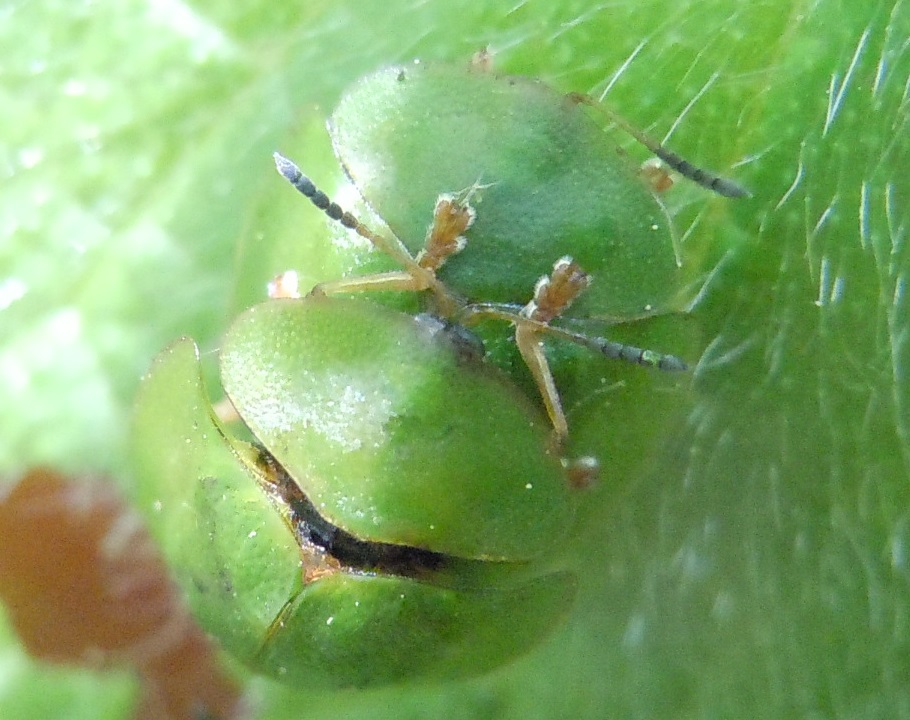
<point x="746" y="554"/>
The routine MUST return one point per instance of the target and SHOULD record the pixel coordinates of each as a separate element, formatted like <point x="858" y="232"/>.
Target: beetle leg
<point x="400" y="280"/>
<point x="553" y="294"/>
<point x="531" y="349"/>
<point x="286" y="284"/>
<point x="606" y="347"/>
<point x="394" y="281"/>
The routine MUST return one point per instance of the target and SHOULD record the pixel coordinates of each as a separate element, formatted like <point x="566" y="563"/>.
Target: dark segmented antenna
<point x="720" y="185"/>
<point x="629" y="353"/>
<point x="608" y="348"/>
<point x="620" y="351"/>
<point x="392" y="246"/>
<point x="290" y="172"/>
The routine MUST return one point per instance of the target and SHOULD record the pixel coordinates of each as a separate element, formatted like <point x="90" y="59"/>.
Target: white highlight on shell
<point x="349" y="416"/>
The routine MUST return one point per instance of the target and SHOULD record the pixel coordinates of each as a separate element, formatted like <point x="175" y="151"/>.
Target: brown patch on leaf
<point x="83" y="583"/>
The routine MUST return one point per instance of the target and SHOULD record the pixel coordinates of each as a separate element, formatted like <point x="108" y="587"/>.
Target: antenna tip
<point x="730" y="189"/>
<point x="288" y="170"/>
<point x="671" y="363"/>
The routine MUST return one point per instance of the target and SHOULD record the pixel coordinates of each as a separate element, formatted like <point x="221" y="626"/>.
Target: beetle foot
<point x="451" y="217"/>
<point x="284" y="285"/>
<point x="656" y="174"/>
<point x="554" y="293"/>
<point x="482" y="60"/>
<point x="581" y="472"/>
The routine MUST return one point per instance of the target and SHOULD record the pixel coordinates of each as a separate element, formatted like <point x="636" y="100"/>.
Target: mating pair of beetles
<point x="390" y="505"/>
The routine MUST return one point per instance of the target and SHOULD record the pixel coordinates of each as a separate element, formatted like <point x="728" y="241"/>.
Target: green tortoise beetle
<point x="533" y="216"/>
<point x="396" y="516"/>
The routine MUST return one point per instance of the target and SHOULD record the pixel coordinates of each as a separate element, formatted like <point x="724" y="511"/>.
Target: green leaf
<point x="746" y="552"/>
